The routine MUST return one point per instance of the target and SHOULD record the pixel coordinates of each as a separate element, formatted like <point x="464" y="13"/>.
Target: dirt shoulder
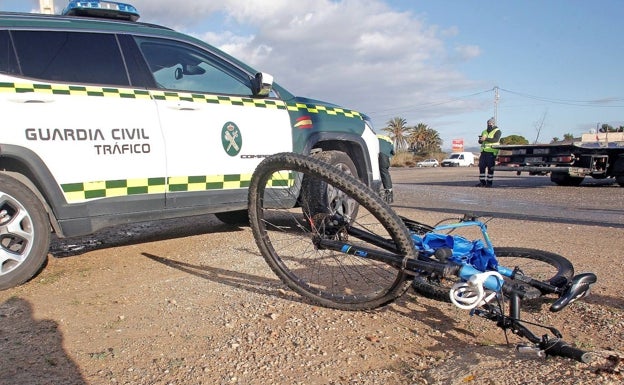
<point x="193" y="302"/>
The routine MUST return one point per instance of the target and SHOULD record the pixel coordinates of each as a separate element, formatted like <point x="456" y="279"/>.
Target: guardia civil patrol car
<point x="107" y="120"/>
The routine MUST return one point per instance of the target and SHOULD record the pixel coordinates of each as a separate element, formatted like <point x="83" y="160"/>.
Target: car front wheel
<point x="24" y="233"/>
<point x="323" y="197"/>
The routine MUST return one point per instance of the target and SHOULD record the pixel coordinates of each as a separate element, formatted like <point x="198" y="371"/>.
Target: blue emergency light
<point x="103" y="9"/>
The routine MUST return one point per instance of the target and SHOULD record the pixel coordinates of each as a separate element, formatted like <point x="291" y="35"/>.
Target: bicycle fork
<point x="542" y="346"/>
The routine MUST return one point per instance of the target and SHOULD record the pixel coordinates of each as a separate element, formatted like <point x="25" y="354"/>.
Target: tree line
<point x="418" y="139"/>
<point x="422" y="139"/>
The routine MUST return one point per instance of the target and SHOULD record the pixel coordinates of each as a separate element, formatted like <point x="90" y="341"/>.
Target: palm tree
<point x="424" y="139"/>
<point x="433" y="142"/>
<point x="397" y="130"/>
<point x="568" y="137"/>
<point x="418" y="137"/>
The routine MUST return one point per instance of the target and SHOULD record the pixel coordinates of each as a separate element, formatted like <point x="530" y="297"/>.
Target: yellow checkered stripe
<point x="131" y="93"/>
<point x="62" y="89"/>
<point x="318" y="109"/>
<point x="113" y="188"/>
<point x="75" y="192"/>
<point x="218" y="99"/>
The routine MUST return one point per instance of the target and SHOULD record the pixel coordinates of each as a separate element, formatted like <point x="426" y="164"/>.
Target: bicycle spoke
<point x="289" y="236"/>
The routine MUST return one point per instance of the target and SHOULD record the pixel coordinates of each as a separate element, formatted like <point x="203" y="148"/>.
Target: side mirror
<point x="262" y="84"/>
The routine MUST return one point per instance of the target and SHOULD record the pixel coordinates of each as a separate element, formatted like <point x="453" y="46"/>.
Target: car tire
<point x="24" y="233"/>
<point x="338" y="159"/>
<point x="320" y="195"/>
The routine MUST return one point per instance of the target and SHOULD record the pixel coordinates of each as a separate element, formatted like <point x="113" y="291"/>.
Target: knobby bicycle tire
<point x="553" y="269"/>
<point x="286" y="219"/>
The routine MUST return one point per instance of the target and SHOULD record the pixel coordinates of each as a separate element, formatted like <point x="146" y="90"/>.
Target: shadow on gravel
<point x="252" y="283"/>
<point x="25" y="362"/>
<point x="136" y="233"/>
<point x="438" y="324"/>
<point x="605" y="300"/>
<point x="461" y="337"/>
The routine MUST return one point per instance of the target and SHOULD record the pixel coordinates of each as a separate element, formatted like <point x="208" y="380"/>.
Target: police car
<point x="107" y="120"/>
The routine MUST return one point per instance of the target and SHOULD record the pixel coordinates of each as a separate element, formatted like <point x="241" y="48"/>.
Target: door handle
<point x="31" y="97"/>
<point x="184" y="106"/>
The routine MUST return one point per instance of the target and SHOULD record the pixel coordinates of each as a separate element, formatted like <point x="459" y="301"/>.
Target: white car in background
<point x="459" y="159"/>
<point x="428" y="163"/>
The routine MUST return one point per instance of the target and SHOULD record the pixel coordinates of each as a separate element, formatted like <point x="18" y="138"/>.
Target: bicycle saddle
<point x="578" y="288"/>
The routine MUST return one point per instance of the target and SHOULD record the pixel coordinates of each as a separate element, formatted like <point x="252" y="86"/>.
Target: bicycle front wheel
<point x="540" y="265"/>
<point x="295" y="201"/>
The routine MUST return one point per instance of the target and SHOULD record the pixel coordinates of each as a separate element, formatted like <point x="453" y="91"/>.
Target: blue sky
<point x="557" y="63"/>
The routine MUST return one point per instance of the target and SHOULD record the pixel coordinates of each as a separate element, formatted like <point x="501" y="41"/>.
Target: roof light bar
<point x="103" y="9"/>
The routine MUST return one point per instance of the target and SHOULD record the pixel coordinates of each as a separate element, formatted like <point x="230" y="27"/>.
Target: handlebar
<point x="558" y="347"/>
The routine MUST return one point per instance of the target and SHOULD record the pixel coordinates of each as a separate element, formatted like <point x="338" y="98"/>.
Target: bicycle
<point x="331" y="239"/>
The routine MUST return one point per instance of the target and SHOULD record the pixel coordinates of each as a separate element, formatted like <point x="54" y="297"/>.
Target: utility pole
<point x="46" y="6"/>
<point x="539" y="125"/>
<point x="496" y="97"/>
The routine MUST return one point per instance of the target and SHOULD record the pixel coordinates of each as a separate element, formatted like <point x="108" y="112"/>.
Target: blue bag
<point x="475" y="253"/>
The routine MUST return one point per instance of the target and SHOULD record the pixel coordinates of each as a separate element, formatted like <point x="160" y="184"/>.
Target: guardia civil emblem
<point x="231" y="139"/>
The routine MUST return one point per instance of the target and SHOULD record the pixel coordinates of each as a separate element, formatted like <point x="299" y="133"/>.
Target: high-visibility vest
<point x="385" y="145"/>
<point x="487" y="146"/>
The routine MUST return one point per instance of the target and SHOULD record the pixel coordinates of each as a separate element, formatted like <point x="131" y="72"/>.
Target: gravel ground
<point x="192" y="302"/>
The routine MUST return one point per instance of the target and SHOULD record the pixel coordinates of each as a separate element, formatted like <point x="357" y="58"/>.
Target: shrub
<point x="409" y="159"/>
<point x="403" y="159"/>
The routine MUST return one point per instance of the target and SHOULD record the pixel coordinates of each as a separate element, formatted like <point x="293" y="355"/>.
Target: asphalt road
<point x="595" y="202"/>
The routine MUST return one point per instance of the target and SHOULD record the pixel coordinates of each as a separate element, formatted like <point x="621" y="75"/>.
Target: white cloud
<point x="172" y="13"/>
<point x="467" y="52"/>
<point x="358" y="53"/>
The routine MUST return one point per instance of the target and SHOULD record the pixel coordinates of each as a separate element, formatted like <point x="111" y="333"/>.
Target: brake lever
<point x="469" y="217"/>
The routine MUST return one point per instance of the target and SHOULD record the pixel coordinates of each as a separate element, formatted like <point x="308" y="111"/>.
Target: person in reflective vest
<point x="386" y="151"/>
<point x="489" y="137"/>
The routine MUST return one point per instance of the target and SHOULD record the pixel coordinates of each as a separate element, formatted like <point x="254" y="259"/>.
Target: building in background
<point x="458" y="145"/>
<point x="46" y="6"/>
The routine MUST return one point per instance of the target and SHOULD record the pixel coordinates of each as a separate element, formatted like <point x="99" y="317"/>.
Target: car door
<point x="216" y="133"/>
<point x="73" y="106"/>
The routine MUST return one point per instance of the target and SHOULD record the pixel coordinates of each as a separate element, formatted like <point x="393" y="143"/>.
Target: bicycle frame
<point x="416" y="266"/>
<point x="543" y="345"/>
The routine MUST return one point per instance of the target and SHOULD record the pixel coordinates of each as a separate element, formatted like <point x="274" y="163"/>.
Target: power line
<point x="579" y="103"/>
<point x="422" y="106"/>
<point x="596" y="103"/>
<point x="602" y="103"/>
